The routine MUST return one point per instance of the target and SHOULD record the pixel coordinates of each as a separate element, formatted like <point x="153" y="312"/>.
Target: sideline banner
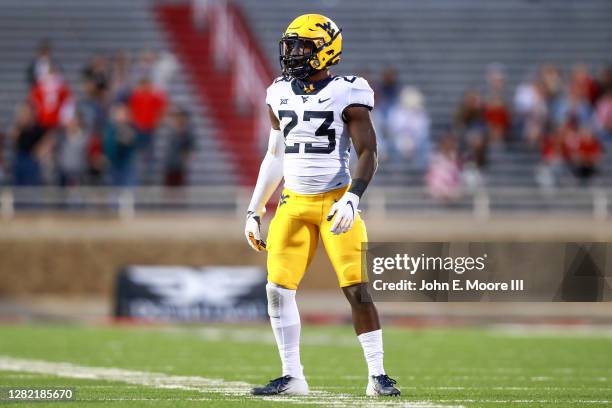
<point x="181" y="293"/>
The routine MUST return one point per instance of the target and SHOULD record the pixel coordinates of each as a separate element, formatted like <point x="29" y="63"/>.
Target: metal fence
<point x="231" y="200"/>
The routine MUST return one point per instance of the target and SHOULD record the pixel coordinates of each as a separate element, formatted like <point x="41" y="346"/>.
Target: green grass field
<point x="213" y="366"/>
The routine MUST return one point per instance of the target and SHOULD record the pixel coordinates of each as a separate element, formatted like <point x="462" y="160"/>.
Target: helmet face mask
<point x="297" y="56"/>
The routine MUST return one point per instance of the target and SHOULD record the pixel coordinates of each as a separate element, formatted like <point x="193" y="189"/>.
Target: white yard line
<point x="231" y="390"/>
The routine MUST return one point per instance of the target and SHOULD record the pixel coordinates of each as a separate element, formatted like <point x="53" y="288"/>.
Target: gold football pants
<point x="294" y="233"/>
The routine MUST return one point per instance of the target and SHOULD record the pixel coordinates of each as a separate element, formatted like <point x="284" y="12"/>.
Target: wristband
<point x="358" y="187"/>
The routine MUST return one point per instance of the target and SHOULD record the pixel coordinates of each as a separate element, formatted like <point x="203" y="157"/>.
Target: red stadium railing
<point x="229" y="74"/>
<point x="233" y="47"/>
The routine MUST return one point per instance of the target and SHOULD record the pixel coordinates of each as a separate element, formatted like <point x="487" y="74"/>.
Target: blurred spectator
<point x="603" y="116"/>
<point x="497" y="119"/>
<point x="582" y="84"/>
<point x="532" y="110"/>
<point x="573" y="104"/>
<point x="147" y="105"/>
<point x="537" y="100"/>
<point x="604" y="84"/>
<point x="27" y="137"/>
<point x="409" y="127"/>
<point x="180" y="147"/>
<point x="388" y="90"/>
<point x="577" y="99"/>
<point x="71" y="153"/>
<point x="120" y="146"/>
<point x="496" y="114"/>
<point x="551" y="84"/>
<point x="41" y="64"/>
<point x="96" y="161"/>
<point x="584" y="152"/>
<point x="51" y="99"/>
<point x="443" y="178"/>
<point x="120" y="77"/>
<point x="92" y="106"/>
<point x="163" y="70"/>
<point x="386" y="93"/>
<point x="552" y="159"/>
<point x="97" y="72"/>
<point x="470" y="126"/>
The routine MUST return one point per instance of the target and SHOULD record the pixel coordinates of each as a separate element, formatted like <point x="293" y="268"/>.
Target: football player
<point x="315" y="116"/>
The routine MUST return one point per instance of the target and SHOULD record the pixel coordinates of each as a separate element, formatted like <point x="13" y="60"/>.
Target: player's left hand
<point x="345" y="210"/>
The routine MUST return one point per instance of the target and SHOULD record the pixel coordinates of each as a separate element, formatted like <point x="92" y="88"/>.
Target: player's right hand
<point x="252" y="232"/>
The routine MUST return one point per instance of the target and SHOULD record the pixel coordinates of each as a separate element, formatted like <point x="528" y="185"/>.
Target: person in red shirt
<point x="582" y="84"/>
<point x="553" y="165"/>
<point x="50" y="97"/>
<point x="552" y="149"/>
<point x="585" y="155"/>
<point x="496" y="112"/>
<point x="147" y="106"/>
<point x="497" y="119"/>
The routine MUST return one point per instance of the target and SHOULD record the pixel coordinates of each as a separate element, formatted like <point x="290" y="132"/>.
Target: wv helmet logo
<point x="327" y="28"/>
<point x="283" y="199"/>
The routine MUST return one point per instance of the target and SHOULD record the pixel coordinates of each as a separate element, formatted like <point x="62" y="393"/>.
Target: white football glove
<point x="252" y="232"/>
<point x="345" y="210"/>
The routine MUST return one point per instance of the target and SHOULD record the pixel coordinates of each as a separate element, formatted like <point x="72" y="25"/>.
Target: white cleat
<point x="283" y="386"/>
<point x="381" y="386"/>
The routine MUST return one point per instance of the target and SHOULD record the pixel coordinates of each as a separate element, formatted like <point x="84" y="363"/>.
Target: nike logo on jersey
<point x="323" y="100"/>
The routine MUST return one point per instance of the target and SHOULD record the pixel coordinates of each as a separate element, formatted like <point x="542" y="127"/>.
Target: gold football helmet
<point x="311" y="43"/>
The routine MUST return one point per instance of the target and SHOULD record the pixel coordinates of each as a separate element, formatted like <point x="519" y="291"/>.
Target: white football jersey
<point x="317" y="143"/>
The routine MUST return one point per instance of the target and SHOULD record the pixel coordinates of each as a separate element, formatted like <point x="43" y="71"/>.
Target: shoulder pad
<point x="359" y="91"/>
<point x="272" y="88"/>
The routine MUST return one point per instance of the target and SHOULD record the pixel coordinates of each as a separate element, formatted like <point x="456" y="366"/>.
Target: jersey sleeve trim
<point x="352" y="105"/>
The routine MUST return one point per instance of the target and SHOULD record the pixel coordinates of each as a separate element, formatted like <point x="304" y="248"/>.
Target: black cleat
<point x="382" y="385"/>
<point x="286" y="385"/>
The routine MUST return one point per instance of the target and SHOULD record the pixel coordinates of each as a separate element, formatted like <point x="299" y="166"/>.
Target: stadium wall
<point x="81" y="256"/>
